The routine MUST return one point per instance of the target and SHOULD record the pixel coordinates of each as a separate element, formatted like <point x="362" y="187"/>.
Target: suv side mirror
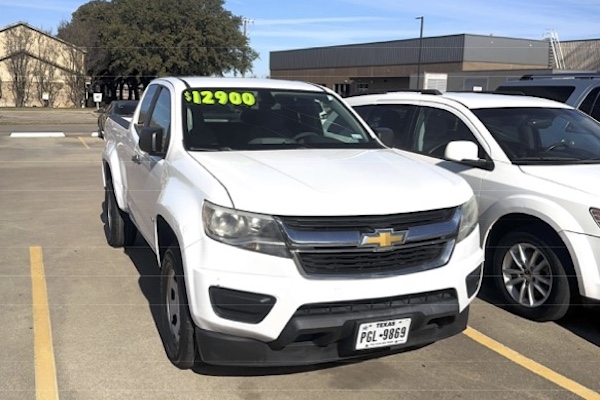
<point x="466" y="152"/>
<point x="386" y="135"/>
<point x="151" y="139"/>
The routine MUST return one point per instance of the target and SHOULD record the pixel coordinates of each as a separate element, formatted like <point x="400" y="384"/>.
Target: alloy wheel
<point x="527" y="275"/>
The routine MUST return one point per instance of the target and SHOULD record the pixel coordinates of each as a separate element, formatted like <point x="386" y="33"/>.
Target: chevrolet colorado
<point x="285" y="231"/>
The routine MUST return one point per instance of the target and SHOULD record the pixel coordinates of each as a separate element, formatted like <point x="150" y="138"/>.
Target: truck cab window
<point x="161" y="116"/>
<point x="146" y="104"/>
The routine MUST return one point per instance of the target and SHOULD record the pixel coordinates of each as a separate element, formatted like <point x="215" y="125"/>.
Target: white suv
<point x="533" y="165"/>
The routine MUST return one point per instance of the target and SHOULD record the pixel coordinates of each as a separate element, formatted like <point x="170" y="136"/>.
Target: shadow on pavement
<point x="583" y="321"/>
<point x="144" y="260"/>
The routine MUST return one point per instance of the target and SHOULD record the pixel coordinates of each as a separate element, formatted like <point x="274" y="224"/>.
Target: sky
<point x="275" y="25"/>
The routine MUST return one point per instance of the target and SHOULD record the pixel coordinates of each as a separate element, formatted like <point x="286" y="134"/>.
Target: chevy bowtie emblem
<point x="383" y="238"/>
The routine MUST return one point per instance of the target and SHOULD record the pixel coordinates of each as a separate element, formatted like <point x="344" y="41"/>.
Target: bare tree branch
<point x="47" y="75"/>
<point x="20" y="66"/>
<point x="74" y="78"/>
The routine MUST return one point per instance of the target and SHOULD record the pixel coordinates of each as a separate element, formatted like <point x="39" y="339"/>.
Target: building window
<point x="362" y="87"/>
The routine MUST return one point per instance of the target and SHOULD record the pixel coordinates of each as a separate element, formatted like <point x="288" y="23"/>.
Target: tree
<point x="85" y="30"/>
<point x="135" y="41"/>
<point x="45" y="72"/>
<point x="74" y="80"/>
<point x="20" y="66"/>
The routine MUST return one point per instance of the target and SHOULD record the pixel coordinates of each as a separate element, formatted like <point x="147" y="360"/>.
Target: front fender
<point x="180" y="206"/>
<point x="112" y="168"/>
<point x="542" y="208"/>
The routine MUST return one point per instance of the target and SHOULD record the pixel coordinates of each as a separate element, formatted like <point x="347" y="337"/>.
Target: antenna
<point x="245" y="22"/>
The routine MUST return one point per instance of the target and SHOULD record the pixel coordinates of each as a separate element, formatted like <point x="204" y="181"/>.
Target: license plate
<point x="390" y="332"/>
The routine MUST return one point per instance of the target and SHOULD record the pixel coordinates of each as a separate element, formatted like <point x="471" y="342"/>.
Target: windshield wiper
<point x="540" y="160"/>
<point x="222" y="148"/>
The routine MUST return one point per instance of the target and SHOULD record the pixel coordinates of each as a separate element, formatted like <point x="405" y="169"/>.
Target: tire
<point x="177" y="328"/>
<point x="529" y="274"/>
<point x="119" y="229"/>
<point x="100" y="131"/>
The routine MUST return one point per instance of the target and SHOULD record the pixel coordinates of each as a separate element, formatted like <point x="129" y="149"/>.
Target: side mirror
<point x="466" y="152"/>
<point x="386" y="135"/>
<point x="151" y="140"/>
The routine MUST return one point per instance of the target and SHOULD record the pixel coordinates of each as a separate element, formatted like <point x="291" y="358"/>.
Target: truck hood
<point x="578" y="177"/>
<point x="332" y="182"/>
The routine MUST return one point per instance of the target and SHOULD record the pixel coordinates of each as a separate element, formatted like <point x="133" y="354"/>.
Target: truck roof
<point x="227" y="82"/>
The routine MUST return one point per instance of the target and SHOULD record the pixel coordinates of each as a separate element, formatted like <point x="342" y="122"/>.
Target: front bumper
<point x="286" y="291"/>
<point x="313" y="337"/>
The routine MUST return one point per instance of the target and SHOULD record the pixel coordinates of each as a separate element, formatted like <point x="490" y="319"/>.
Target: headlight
<point x="242" y="229"/>
<point x="468" y="219"/>
<point x="595" y="214"/>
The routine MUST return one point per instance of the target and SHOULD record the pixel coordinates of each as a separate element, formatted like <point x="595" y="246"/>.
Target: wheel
<point x="176" y="321"/>
<point x="120" y="231"/>
<point x="100" y="130"/>
<point x="531" y="277"/>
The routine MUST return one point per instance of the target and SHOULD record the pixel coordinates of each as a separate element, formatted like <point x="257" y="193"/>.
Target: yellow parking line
<point x="531" y="365"/>
<point x="83" y="142"/>
<point x="46" y="387"/>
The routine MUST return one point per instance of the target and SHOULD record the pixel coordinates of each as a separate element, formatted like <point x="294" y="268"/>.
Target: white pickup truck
<point x="286" y="233"/>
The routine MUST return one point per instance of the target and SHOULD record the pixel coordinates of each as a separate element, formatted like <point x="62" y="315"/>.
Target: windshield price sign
<point x="220" y="97"/>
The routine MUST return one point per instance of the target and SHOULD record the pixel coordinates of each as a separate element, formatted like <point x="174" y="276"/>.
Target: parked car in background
<point x="533" y="164"/>
<point x="580" y="90"/>
<point x="117" y="108"/>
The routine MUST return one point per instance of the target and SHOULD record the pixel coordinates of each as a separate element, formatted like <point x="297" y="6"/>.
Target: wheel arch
<point x="165" y="237"/>
<point x="532" y="224"/>
<point x="112" y="174"/>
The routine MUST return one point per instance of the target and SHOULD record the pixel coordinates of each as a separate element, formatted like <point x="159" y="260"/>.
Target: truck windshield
<point x="543" y="135"/>
<point x="262" y="119"/>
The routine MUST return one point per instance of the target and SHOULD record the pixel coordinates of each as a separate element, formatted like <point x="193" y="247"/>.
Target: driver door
<point x="145" y="171"/>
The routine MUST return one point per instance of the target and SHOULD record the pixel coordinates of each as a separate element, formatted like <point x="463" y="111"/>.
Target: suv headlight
<point x="468" y="218"/>
<point x="249" y="231"/>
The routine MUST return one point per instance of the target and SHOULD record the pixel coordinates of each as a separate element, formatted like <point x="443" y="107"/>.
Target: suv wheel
<point x="531" y="277"/>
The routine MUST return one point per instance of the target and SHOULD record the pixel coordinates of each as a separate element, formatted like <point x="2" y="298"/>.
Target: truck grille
<point x="403" y="260"/>
<point x="368" y="223"/>
<point x="335" y="246"/>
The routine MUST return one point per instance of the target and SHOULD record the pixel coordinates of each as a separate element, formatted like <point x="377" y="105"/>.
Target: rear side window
<point x="590" y="105"/>
<point x="557" y="93"/>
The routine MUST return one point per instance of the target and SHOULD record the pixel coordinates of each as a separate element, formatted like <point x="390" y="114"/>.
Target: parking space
<point x="103" y="320"/>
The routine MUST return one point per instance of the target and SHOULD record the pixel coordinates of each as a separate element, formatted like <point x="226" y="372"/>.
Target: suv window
<point x="558" y="93"/>
<point x="543" y="135"/>
<point x="397" y="117"/>
<point x="436" y="128"/>
<point x="590" y="105"/>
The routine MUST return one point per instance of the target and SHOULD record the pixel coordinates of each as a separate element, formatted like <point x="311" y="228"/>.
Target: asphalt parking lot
<point x="80" y="321"/>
